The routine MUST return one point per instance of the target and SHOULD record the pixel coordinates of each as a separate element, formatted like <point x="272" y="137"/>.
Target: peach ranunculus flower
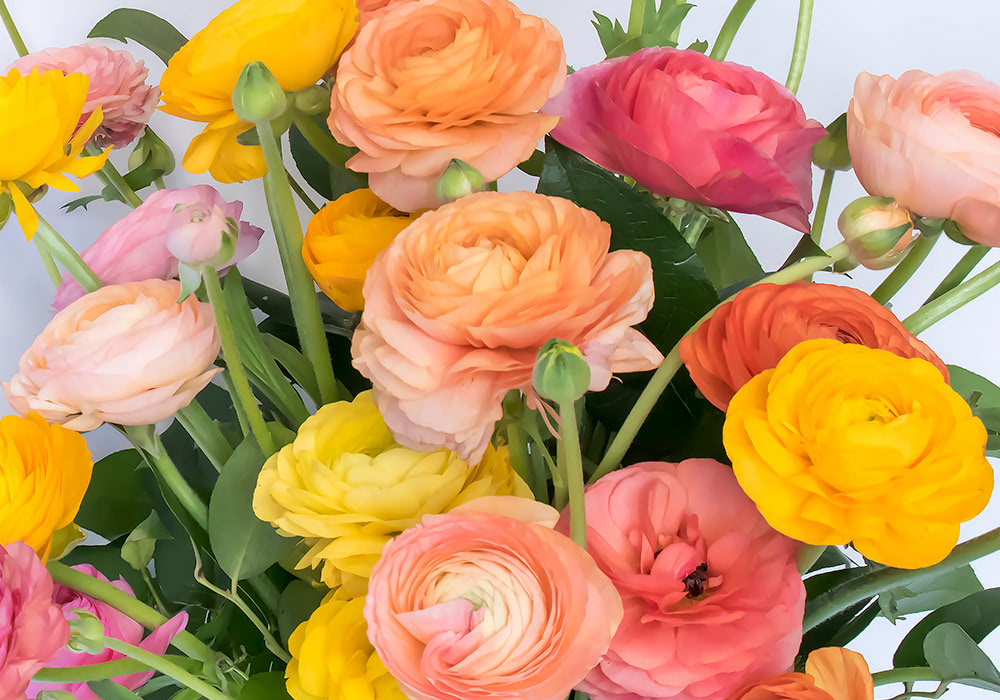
<point x="127" y="354"/>
<point x="753" y="332"/>
<point x="832" y="673"/>
<point x="117" y="87"/>
<point x="457" y="308"/>
<point x="933" y="143"/>
<point x="426" y="82"/>
<point x="712" y="595"/>
<point x="478" y="605"/>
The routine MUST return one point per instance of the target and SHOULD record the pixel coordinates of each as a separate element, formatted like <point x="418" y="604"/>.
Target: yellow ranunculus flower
<point x="44" y="473"/>
<point x="332" y="658"/>
<point x="298" y="40"/>
<point x="347" y="488"/>
<point x="842" y="443"/>
<point x="39" y="115"/>
<point x="343" y="240"/>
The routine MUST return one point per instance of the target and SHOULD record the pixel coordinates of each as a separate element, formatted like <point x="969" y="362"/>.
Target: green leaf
<point x="701" y="46"/>
<point x="727" y="258"/>
<point x="82" y="202"/>
<point x="156" y="34"/>
<point x="109" y="690"/>
<point x="139" y="546"/>
<point x="328" y="180"/>
<point x="953" y="654"/>
<point x="296" y="604"/>
<point x="611" y="34"/>
<point x="983" y="396"/>
<point x="117" y="499"/>
<point x="832" y="557"/>
<point x="659" y="28"/>
<point x="845" y="625"/>
<point x="930" y="594"/>
<point x="243" y="545"/>
<point x="265" y="686"/>
<point x="978" y="614"/>
<point x="805" y="248"/>
<point x="295" y="363"/>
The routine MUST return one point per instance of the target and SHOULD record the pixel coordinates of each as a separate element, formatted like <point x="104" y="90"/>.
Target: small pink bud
<point x="201" y="236"/>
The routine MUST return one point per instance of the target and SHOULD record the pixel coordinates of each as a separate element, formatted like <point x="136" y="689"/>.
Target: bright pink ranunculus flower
<point x="684" y="125"/>
<point x="933" y="143"/>
<point x="712" y="596"/>
<point x="135" y="248"/>
<point x="117" y="86"/>
<point x="117" y="625"/>
<point x="32" y="627"/>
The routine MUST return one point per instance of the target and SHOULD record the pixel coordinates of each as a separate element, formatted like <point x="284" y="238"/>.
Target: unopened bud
<point x="150" y="149"/>
<point x="458" y="180"/>
<point x="561" y="373"/>
<point x="6" y="205"/>
<point x="315" y="99"/>
<point x="831" y="152"/>
<point x="86" y="633"/>
<point x="258" y="96"/>
<point x="201" y="236"/>
<point x="877" y="231"/>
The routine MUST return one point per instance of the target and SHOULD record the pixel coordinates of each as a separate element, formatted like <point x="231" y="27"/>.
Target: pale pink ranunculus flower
<point x="127" y="354"/>
<point x="197" y="233"/>
<point x="684" y="125"/>
<point x="117" y="625"/>
<point x="135" y="247"/>
<point x="117" y="86"/>
<point x="475" y="604"/>
<point x="460" y="303"/>
<point x="933" y="143"/>
<point x="32" y="627"/>
<point x="713" y="599"/>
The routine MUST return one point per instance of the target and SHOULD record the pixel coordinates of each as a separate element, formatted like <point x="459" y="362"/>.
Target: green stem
<point x="822" y="204"/>
<point x="864" y="587"/>
<point x="301" y="290"/>
<point x="636" y="18"/>
<point x="729" y="29"/>
<point x="269" y="639"/>
<point x="168" y="668"/>
<point x="901" y="274"/>
<point x="15" y="36"/>
<point x="801" y="45"/>
<point x="89" y="672"/>
<point x="109" y="175"/>
<point x="67" y="257"/>
<point x="322" y="142"/>
<point x="573" y="461"/>
<point x="905" y="675"/>
<point x="153" y="590"/>
<point x="521" y="460"/>
<point x="206" y="433"/>
<point x="693" y="231"/>
<point x="929" y="314"/>
<point x="168" y="474"/>
<point x="48" y="261"/>
<point x="300" y="191"/>
<point x="961" y="270"/>
<point x="672" y="362"/>
<point x="146" y="616"/>
<point x="231" y="353"/>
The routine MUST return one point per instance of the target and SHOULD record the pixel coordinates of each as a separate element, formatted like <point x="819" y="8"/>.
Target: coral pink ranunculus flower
<point x="117" y="86"/>
<point x="684" y="125"/>
<point x="32" y="627"/>
<point x="117" y="625"/>
<point x="127" y="354"/>
<point x="475" y="605"/>
<point x="933" y="143"/>
<point x="135" y="247"/>
<point x="712" y="596"/>
<point x="458" y="306"/>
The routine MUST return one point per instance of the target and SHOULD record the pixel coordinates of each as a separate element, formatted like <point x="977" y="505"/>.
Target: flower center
<point x="694" y="583"/>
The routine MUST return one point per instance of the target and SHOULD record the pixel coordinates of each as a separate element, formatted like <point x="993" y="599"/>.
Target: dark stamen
<point x="694" y="583"/>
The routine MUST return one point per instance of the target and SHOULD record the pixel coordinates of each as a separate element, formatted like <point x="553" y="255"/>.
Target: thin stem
<point x="160" y="462"/>
<point x="269" y="639"/>
<point x="301" y="290"/>
<point x="109" y="175"/>
<point x="322" y="142"/>
<point x="89" y="672"/>
<point x="153" y="590"/>
<point x="67" y="257"/>
<point x="864" y="587"/>
<point x="573" y="461"/>
<point x="48" y="261"/>
<point x="636" y="18"/>
<point x="729" y="29"/>
<point x="231" y="353"/>
<point x="905" y="675"/>
<point x="961" y="270"/>
<point x="206" y="433"/>
<point x="15" y="36"/>
<point x="521" y="460"/>
<point x="822" y="204"/>
<point x="929" y="314"/>
<point x="901" y="274"/>
<point x="801" y="45"/>
<point x="166" y="667"/>
<point x="300" y="191"/>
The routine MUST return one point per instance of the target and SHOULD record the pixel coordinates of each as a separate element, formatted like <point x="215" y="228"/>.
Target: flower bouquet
<point x="565" y="441"/>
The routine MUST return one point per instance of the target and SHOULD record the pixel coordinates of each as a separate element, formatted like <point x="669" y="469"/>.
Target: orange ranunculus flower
<point x="832" y="673"/>
<point x="429" y="81"/>
<point x="753" y="332"/>
<point x="342" y="241"/>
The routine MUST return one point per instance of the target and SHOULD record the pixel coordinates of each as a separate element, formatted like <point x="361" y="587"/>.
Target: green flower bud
<point x="458" y="180"/>
<point x="832" y="153"/>
<point x="561" y="374"/>
<point x="150" y="150"/>
<point x="258" y="97"/>
<point x="54" y="695"/>
<point x="6" y="205"/>
<point x="86" y="633"/>
<point x="877" y="231"/>
<point x="315" y="99"/>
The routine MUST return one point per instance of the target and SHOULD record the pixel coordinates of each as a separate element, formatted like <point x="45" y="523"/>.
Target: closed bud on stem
<point x="5" y="208"/>
<point x="315" y="99"/>
<point x="458" y="180"/>
<point x="152" y="151"/>
<point x="258" y="97"/>
<point x="561" y="373"/>
<point x="832" y="153"/>
<point x="86" y="634"/>
<point x="877" y="231"/>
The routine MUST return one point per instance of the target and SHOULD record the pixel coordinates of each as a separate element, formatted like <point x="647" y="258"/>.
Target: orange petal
<point x="842" y="673"/>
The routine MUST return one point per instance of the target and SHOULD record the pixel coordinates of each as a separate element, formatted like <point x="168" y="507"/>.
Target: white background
<point x="849" y="36"/>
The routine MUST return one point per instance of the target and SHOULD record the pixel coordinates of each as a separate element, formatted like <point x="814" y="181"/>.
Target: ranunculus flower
<point x="684" y="125"/>
<point x="134" y="249"/>
<point x="348" y="488"/>
<point x="127" y="354"/>
<point x="842" y="443"/>
<point x="44" y="473"/>
<point x="476" y="605"/>
<point x="753" y="332"/>
<point x="426" y="82"/>
<point x="933" y="143"/>
<point x="712" y="595"/>
<point x="32" y="627"/>
<point x="832" y="673"/>
<point x="342" y="241"/>
<point x="332" y="658"/>
<point x="198" y="235"/>
<point x="117" y="88"/>
<point x="298" y="40"/>
<point x="117" y="625"/>
<point x="457" y="308"/>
